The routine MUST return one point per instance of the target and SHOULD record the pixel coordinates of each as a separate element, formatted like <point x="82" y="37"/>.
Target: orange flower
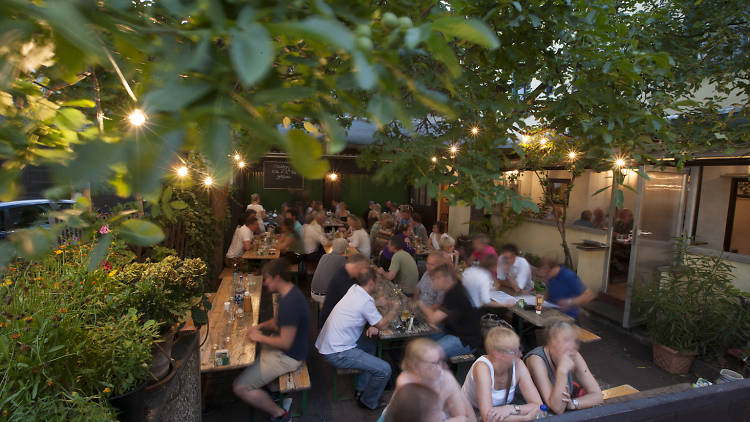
<point x="50" y="382"/>
<point x="57" y="285"/>
<point x="63" y="310"/>
<point x="16" y="336"/>
<point x="107" y="390"/>
<point x="58" y="252"/>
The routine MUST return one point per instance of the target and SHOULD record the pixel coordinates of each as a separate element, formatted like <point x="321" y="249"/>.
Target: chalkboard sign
<point x="281" y="175"/>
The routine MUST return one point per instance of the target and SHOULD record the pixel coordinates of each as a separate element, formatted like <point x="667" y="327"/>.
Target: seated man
<point x="459" y="317"/>
<point x="242" y="240"/>
<point x="343" y="345"/>
<point x="479" y="282"/>
<point x="344" y="278"/>
<point x="425" y="290"/>
<point x="403" y="269"/>
<point x="585" y="220"/>
<point x="292" y="213"/>
<point x="280" y="354"/>
<point x="564" y="288"/>
<point x="261" y="227"/>
<point x="329" y="265"/>
<point x="314" y="239"/>
<point x="514" y="271"/>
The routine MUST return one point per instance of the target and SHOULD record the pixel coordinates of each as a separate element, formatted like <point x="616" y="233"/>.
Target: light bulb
<point x="237" y="157"/>
<point x="543" y="141"/>
<point x="182" y="171"/>
<point x="208" y="181"/>
<point x="620" y="162"/>
<point x="434" y="159"/>
<point x="474" y="130"/>
<point x="137" y="117"/>
<point x="454" y="149"/>
<point x="572" y="155"/>
<point x="333" y="177"/>
<point x="241" y="164"/>
<point x="524" y="139"/>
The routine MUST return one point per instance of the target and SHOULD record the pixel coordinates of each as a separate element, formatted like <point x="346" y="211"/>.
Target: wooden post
<point x="218" y="198"/>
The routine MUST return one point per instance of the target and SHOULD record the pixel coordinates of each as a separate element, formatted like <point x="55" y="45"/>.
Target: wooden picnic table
<point x="241" y="350"/>
<point x="252" y="254"/>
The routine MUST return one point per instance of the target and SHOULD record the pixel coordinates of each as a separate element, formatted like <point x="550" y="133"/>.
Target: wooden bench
<point x="463" y="363"/>
<point x="620" y="390"/>
<point x="288" y="383"/>
<point x="340" y="372"/>
<point x="586" y="336"/>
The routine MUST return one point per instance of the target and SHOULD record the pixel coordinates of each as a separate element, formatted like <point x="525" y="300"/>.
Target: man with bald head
<point x="425" y="290"/>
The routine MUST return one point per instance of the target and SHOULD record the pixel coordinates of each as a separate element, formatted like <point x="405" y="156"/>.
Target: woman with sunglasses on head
<point x="495" y="380"/>
<point x="423" y="364"/>
<point x="554" y="366"/>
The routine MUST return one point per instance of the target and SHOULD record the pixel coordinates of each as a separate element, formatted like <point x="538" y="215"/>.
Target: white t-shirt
<point x="312" y="236"/>
<point x="344" y="326"/>
<point x="478" y="283"/>
<point x="241" y="235"/>
<point x="435" y="240"/>
<point x="259" y="210"/>
<point x="361" y="240"/>
<point x="522" y="271"/>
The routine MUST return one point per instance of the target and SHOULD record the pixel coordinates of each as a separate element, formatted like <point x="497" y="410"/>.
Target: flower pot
<point x="671" y="360"/>
<point x="131" y="406"/>
<point x="727" y="375"/>
<point x="161" y="355"/>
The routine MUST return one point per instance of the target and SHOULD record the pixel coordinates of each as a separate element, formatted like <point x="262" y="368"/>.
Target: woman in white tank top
<point x="495" y="378"/>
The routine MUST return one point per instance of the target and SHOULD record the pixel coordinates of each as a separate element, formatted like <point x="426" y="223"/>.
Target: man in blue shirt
<point x="564" y="288"/>
<point x="292" y="213"/>
<point x="281" y="353"/>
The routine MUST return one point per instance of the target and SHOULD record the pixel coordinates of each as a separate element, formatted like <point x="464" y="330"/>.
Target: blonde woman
<point x="554" y="366"/>
<point x="496" y="379"/>
<point x="359" y="238"/>
<point x="423" y="364"/>
<point x="448" y="248"/>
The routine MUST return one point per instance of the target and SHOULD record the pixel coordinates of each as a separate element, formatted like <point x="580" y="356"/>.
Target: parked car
<point x="29" y="213"/>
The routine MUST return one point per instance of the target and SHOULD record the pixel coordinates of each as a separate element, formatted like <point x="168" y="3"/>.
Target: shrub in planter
<point x="693" y="308"/>
<point x="64" y="347"/>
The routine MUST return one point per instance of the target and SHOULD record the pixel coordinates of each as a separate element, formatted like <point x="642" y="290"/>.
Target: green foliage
<point x="694" y="307"/>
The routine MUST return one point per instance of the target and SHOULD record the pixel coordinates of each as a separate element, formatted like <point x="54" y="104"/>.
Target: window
<point x="24" y="216"/>
<point x="557" y="189"/>
<point x="737" y="235"/>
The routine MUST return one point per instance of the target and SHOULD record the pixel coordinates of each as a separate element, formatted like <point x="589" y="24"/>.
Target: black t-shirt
<point x="463" y="318"/>
<point x="340" y="284"/>
<point x="294" y="311"/>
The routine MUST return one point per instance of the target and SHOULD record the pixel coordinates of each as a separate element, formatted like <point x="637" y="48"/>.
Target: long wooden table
<point x="241" y="350"/>
<point x="252" y="254"/>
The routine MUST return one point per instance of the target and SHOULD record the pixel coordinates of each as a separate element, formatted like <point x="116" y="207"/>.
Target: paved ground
<point x="617" y="359"/>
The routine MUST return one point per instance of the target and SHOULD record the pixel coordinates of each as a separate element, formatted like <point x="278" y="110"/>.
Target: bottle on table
<point x="247" y="303"/>
<point x="235" y="274"/>
<point x="239" y="290"/>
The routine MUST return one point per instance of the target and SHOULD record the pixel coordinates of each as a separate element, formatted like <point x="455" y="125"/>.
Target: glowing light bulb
<point x="454" y="149"/>
<point x="620" y="162"/>
<point x="137" y="117"/>
<point x="182" y="171"/>
<point x="474" y="130"/>
<point x="524" y="139"/>
<point x="572" y="155"/>
<point x="241" y="164"/>
<point x="208" y="181"/>
<point x="434" y="159"/>
<point x="543" y="141"/>
<point x="333" y="177"/>
<point x="237" y="157"/>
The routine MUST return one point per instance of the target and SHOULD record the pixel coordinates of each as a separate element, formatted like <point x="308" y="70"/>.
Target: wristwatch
<point x="516" y="409"/>
<point x="575" y="403"/>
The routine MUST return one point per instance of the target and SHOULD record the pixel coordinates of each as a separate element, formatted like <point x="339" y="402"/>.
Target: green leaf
<point x="79" y="103"/>
<point x="178" y="205"/>
<point x="304" y="154"/>
<point x="99" y="251"/>
<point x="364" y="73"/>
<point x="141" y="232"/>
<point x="336" y="136"/>
<point x="283" y="95"/>
<point x="70" y="119"/>
<point x="381" y="110"/>
<point x="324" y="31"/>
<point x="444" y="54"/>
<point x="219" y="147"/>
<point x="175" y="96"/>
<point x="471" y="30"/>
<point x="251" y="52"/>
<point x="417" y="35"/>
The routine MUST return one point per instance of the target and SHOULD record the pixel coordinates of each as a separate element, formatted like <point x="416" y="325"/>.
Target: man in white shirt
<point x="261" y="227"/>
<point x="479" y="282"/>
<point x="343" y="345"/>
<point x="313" y="238"/>
<point x="514" y="271"/>
<point x="241" y="240"/>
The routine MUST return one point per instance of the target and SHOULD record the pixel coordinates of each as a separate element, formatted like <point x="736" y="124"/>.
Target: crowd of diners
<point x="452" y="293"/>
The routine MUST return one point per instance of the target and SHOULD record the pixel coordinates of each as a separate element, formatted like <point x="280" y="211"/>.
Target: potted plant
<point x="692" y="309"/>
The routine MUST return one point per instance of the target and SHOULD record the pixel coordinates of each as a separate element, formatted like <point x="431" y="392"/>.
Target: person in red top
<point x="482" y="247"/>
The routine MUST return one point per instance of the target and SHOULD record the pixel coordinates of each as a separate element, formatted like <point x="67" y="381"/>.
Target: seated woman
<point x="553" y="367"/>
<point x="448" y="248"/>
<point x="359" y="238"/>
<point x="438" y="233"/>
<point x="423" y="364"/>
<point x="289" y="243"/>
<point x="494" y="380"/>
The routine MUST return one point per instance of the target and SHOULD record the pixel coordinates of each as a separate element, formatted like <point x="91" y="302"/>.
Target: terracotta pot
<point x="161" y="355"/>
<point x="671" y="360"/>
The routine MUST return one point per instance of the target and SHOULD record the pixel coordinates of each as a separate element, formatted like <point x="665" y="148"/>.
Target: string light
<point x="434" y="159"/>
<point x="543" y="141"/>
<point x="208" y="181"/>
<point x="474" y="130"/>
<point x="454" y="149"/>
<point x="137" y="117"/>
<point x="620" y="162"/>
<point x="572" y="155"/>
<point x="182" y="171"/>
<point x="333" y="176"/>
<point x="524" y="139"/>
<point x="241" y="164"/>
<point x="237" y="157"/>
